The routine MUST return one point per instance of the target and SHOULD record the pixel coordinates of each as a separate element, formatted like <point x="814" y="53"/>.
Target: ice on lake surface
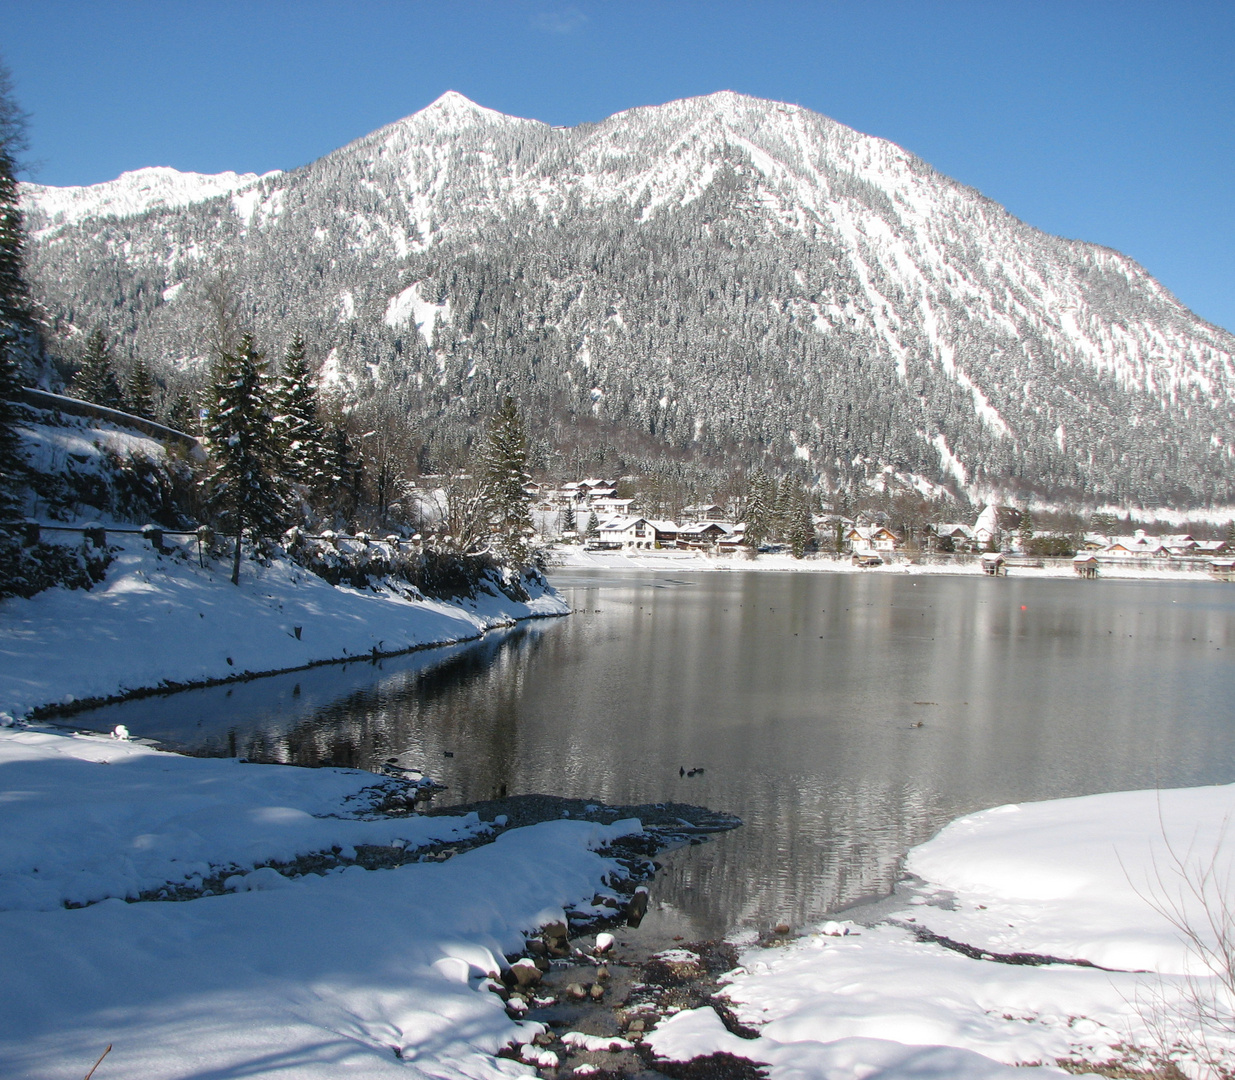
<point x="844" y="718"/>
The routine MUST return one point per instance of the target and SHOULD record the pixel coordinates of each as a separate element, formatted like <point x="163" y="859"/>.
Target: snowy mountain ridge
<point x="722" y="275"/>
<point x="130" y="194"/>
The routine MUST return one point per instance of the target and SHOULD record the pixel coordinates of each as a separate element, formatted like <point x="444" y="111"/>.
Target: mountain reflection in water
<point x="844" y="718"/>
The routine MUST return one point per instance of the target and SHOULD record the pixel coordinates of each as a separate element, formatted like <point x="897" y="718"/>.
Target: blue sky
<point x="1112" y="122"/>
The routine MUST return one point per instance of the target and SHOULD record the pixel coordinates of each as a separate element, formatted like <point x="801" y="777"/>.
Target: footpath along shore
<point x="574" y="557"/>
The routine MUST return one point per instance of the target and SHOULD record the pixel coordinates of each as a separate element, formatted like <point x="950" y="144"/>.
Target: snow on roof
<point x="988" y="520"/>
<point x="620" y="523"/>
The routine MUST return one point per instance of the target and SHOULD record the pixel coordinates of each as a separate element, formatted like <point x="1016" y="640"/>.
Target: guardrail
<point x="45" y="399"/>
<point x="31" y="533"/>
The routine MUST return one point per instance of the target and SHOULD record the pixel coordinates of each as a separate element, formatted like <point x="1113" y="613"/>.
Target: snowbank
<point x="357" y="972"/>
<point x="1076" y="880"/>
<point x="157" y="620"/>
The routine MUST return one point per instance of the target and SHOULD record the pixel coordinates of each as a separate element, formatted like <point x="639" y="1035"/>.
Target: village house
<point x="624" y="533"/>
<point x="699" y="535"/>
<point x="953" y="534"/>
<point x="666" y="533"/>
<point x="871" y="538"/>
<point x="703" y="512"/>
<point x="1137" y="546"/>
<point x="607" y="506"/>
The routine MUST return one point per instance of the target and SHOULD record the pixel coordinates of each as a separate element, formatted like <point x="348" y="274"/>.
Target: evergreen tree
<point x="139" y="393"/>
<point x="18" y="332"/>
<point x="306" y="452"/>
<point x="183" y="415"/>
<point x="569" y="525"/>
<point x="787" y="493"/>
<point x="504" y="472"/>
<point x="12" y="460"/>
<point x="759" y="497"/>
<point x="342" y="476"/>
<point x="1025" y="529"/>
<point x="800" y="532"/>
<point x="96" y="378"/>
<point x="244" y="489"/>
<point x="593" y="526"/>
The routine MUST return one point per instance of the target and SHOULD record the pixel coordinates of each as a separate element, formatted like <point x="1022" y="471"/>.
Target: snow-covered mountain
<point x="130" y="194"/>
<point x="722" y="277"/>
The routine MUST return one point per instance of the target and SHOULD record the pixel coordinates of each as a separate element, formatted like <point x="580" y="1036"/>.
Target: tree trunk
<point x="236" y="556"/>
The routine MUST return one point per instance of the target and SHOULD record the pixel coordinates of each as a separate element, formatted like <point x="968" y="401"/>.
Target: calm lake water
<point x="844" y="718"/>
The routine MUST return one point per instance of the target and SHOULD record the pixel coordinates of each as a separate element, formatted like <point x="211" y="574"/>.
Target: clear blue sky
<point x="1112" y="121"/>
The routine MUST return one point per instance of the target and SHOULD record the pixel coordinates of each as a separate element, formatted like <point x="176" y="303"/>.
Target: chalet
<point x="1223" y="569"/>
<point x="704" y="534"/>
<point x="665" y="533"/>
<point x="956" y="534"/>
<point x="986" y="530"/>
<point x="1137" y="546"/>
<point x="621" y="533"/>
<point x="703" y="512"/>
<point x="1178" y="543"/>
<point x="1210" y="547"/>
<point x="871" y="538"/>
<point x="608" y="506"/>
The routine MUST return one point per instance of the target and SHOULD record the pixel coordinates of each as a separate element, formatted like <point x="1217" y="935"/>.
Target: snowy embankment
<point x="314" y="967"/>
<point x="1087" y="882"/>
<point x="336" y="971"/>
<point x="573" y="557"/>
<point x="160" y="620"/>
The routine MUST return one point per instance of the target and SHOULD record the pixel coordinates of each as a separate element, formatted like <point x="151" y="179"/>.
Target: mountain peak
<point x="455" y="108"/>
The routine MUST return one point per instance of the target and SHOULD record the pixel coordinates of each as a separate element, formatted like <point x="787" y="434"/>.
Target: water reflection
<point x="844" y="718"/>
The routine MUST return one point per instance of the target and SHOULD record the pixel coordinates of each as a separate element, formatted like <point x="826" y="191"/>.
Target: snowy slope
<point x="712" y="273"/>
<point x="159" y="619"/>
<point x="131" y="193"/>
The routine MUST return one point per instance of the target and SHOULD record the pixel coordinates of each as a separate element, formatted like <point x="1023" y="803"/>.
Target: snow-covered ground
<point x="574" y="557"/>
<point x="1089" y="879"/>
<point x="347" y="972"/>
<point x="166" y="619"/>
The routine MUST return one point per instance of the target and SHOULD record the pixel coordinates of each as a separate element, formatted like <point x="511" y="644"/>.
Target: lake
<point x="843" y="717"/>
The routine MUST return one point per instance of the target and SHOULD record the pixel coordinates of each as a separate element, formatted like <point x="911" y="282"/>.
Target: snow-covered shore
<point x="326" y="968"/>
<point x="574" y="557"/>
<point x="958" y="982"/>
<point x="338" y="971"/>
<point x="159" y="620"/>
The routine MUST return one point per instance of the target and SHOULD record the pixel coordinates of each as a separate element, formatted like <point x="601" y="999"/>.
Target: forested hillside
<point x="721" y="281"/>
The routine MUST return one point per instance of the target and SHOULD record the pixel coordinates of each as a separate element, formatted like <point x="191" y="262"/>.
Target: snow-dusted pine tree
<point x="139" y="392"/>
<point x="300" y="433"/>
<point x="244" y="489"/>
<point x="96" y="378"/>
<point x="800" y="531"/>
<point x="18" y="333"/>
<point x="569" y="525"/>
<point x="761" y="491"/>
<point x="504" y="472"/>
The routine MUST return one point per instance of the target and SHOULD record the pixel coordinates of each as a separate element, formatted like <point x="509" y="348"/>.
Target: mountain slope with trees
<point x="720" y="281"/>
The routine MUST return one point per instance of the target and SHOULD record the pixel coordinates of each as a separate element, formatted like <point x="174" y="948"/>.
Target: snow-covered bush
<point x="364" y="563"/>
